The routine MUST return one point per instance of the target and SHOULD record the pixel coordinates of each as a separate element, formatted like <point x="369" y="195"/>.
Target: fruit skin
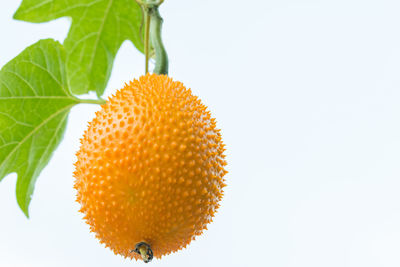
<point x="150" y="168"/>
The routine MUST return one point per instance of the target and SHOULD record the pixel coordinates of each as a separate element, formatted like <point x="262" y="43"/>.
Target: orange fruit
<point x="149" y="172"/>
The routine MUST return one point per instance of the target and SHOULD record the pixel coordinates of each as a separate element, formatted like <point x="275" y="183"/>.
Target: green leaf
<point x="98" y="29"/>
<point x="34" y="105"/>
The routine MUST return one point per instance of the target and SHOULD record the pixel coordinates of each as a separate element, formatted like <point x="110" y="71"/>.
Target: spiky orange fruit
<point x="150" y="168"/>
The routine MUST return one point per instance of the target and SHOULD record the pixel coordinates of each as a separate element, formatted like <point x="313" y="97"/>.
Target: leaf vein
<point x="107" y="11"/>
<point x="47" y="71"/>
<point x="33" y="132"/>
<point x="23" y="80"/>
<point x="36" y="6"/>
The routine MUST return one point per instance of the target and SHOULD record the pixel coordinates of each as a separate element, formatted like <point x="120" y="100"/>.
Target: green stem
<point x="152" y="35"/>
<point x="146" y="37"/>
<point x="161" y="57"/>
<point x="99" y="101"/>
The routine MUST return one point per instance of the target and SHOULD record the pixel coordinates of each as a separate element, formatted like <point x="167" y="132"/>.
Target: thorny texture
<point x="150" y="168"/>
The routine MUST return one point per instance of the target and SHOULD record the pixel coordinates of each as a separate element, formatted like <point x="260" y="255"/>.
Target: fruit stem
<point x="155" y="36"/>
<point x="144" y="250"/>
<point x="146" y="38"/>
<point x="152" y="34"/>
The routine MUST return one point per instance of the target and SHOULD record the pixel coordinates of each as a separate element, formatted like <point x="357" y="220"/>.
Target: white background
<point x="306" y="93"/>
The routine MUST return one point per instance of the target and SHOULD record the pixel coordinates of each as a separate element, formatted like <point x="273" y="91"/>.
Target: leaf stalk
<point x="99" y="101"/>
